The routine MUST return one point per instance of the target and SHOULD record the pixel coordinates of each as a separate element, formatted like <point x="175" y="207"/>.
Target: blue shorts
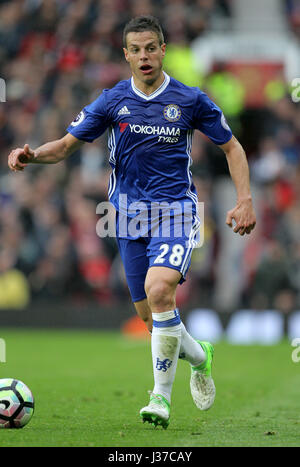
<point x="141" y="253"/>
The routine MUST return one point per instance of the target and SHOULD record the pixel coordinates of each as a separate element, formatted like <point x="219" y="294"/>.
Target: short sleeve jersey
<point x="150" y="138"/>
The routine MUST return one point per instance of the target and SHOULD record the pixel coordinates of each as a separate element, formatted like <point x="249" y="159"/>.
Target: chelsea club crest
<point x="172" y="113"/>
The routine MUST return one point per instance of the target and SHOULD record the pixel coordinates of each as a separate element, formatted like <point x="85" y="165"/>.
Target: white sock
<point x="190" y="350"/>
<point x="165" y="345"/>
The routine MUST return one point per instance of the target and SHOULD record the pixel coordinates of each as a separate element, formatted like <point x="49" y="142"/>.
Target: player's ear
<point x="126" y="54"/>
<point x="163" y="49"/>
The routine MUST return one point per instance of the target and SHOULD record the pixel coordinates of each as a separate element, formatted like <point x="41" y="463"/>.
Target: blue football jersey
<point x="150" y="138"/>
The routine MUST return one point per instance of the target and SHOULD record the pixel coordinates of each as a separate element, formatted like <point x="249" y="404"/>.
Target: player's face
<point x="145" y="56"/>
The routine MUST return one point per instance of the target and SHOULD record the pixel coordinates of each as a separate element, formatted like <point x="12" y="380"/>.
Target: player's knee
<point x="160" y="295"/>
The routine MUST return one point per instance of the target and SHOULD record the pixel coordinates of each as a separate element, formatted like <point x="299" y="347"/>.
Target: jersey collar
<point x="154" y="94"/>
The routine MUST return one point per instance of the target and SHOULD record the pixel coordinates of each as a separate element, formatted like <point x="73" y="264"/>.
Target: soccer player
<point x="151" y="118"/>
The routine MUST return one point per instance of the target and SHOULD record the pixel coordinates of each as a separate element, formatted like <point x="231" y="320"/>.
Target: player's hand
<point x="244" y="216"/>
<point x="19" y="158"/>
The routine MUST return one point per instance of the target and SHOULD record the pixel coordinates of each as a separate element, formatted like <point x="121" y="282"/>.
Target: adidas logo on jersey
<point x="124" y="111"/>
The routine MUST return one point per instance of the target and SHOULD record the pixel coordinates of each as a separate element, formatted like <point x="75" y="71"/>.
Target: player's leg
<point x="143" y="310"/>
<point x="198" y="354"/>
<point x="160" y="287"/>
<point x="175" y="253"/>
<point x="190" y="349"/>
<point x="136" y="264"/>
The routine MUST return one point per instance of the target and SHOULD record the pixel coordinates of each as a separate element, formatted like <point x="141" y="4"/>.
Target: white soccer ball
<point x="16" y="403"/>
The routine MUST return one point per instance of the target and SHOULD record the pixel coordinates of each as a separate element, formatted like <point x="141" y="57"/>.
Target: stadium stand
<point x="55" y="57"/>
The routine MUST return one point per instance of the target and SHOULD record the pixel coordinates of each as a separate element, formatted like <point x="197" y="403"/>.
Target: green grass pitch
<point x="89" y="387"/>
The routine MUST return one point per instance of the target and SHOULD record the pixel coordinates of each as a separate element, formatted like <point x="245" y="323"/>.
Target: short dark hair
<point x="143" y="23"/>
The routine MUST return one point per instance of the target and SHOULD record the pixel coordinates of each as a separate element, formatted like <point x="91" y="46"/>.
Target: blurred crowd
<point x="56" y="56"/>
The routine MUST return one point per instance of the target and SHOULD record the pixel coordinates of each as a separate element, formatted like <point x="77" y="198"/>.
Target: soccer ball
<point x="16" y="403"/>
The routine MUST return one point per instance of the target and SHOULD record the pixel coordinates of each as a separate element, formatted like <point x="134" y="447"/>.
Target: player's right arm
<point x="89" y="124"/>
<point x="49" y="153"/>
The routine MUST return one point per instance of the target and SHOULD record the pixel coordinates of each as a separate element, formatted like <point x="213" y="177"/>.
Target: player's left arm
<point x="243" y="213"/>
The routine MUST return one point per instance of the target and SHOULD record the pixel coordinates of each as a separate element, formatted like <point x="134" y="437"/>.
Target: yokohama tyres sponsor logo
<point x="154" y="130"/>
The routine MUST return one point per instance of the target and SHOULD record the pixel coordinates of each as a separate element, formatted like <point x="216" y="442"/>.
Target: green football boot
<point x="157" y="412"/>
<point x="202" y="385"/>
